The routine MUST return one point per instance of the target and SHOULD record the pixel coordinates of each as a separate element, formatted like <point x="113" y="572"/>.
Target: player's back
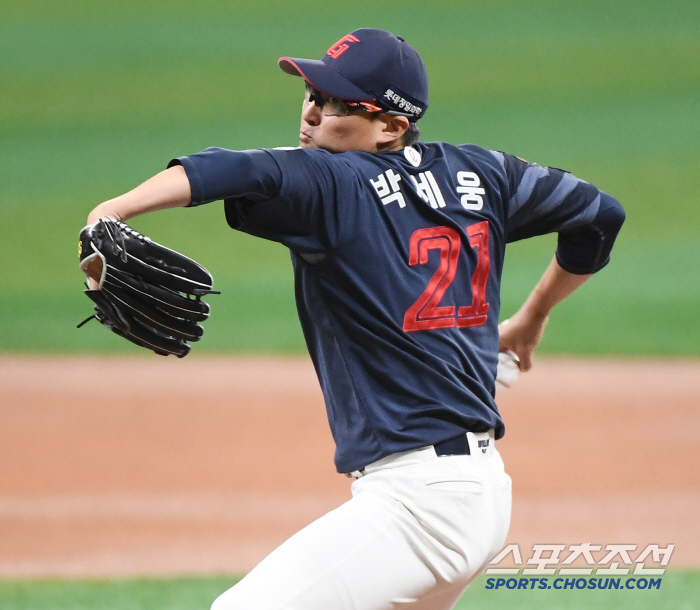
<point x="401" y="313"/>
<point x="398" y="259"/>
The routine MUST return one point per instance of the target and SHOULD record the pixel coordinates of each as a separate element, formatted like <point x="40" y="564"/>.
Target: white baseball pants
<point x="418" y="529"/>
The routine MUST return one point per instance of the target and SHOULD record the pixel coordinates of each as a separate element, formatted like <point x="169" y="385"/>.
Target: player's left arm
<point x="213" y="174"/>
<point x="167" y="189"/>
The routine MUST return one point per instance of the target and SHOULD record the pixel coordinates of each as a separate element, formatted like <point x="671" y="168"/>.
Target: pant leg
<point x="416" y="532"/>
<point x="356" y="557"/>
<point x="466" y="513"/>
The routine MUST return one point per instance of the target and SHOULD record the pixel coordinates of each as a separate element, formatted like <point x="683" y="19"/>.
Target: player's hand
<point x="522" y="334"/>
<point x="94" y="269"/>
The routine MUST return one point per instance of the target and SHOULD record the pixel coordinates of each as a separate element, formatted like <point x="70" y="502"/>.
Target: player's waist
<point x="480" y="446"/>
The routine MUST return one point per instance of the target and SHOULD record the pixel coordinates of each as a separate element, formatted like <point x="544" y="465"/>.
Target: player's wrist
<point x="534" y="312"/>
<point x="101" y="211"/>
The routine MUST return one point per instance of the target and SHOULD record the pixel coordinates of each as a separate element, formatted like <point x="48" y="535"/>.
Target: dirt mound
<point x="163" y="466"/>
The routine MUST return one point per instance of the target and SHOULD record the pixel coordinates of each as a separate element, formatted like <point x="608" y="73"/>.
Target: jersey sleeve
<point x="546" y="200"/>
<point x="218" y="173"/>
<point x="292" y="196"/>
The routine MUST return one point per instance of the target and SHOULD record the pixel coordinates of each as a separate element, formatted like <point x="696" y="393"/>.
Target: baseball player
<point x="397" y="248"/>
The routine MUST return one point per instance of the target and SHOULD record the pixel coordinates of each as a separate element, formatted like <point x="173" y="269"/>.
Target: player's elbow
<point x="611" y="215"/>
<point x="587" y="249"/>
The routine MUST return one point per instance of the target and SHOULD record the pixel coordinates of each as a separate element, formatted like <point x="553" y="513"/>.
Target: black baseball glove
<point x="147" y="293"/>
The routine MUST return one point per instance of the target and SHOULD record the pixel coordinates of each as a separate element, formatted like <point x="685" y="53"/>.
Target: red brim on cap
<point x="326" y="79"/>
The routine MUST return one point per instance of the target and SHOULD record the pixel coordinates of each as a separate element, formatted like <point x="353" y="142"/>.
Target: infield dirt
<point x="159" y="466"/>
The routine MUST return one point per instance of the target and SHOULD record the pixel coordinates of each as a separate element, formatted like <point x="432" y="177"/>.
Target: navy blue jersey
<point x="397" y="260"/>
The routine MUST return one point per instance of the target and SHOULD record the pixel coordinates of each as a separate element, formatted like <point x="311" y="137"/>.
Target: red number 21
<point x="427" y="313"/>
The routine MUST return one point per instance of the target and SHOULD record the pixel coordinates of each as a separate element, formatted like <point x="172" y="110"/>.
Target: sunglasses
<point x="332" y="106"/>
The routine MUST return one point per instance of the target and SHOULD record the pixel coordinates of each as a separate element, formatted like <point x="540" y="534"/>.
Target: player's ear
<point x="393" y="128"/>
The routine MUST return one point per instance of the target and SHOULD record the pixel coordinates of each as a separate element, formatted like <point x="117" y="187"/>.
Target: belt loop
<point x="355" y="473"/>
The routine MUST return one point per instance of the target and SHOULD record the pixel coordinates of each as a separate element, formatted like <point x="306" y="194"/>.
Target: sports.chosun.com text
<point x="531" y="583"/>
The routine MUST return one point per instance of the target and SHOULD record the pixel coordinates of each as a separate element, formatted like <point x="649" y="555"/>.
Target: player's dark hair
<point x="412" y="134"/>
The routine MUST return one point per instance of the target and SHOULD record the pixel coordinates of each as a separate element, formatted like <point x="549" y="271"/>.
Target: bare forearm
<point x="168" y="189"/>
<point x="555" y="285"/>
<point x="523" y="332"/>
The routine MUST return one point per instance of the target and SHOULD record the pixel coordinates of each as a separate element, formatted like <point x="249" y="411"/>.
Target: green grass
<point x="117" y="594"/>
<point x="98" y="95"/>
<point x="679" y="590"/>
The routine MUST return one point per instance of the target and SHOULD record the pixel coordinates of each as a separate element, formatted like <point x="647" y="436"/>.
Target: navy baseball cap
<point x="369" y="65"/>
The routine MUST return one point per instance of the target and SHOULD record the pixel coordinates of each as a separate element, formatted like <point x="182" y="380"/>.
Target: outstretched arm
<point x="168" y="189"/>
<point x="523" y="332"/>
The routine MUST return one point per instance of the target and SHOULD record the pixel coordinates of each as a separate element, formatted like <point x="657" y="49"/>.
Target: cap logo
<point x="341" y="46"/>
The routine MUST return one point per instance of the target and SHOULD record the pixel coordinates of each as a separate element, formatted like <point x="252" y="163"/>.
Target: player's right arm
<point x="550" y="200"/>
<point x="545" y="200"/>
<point x="523" y="331"/>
